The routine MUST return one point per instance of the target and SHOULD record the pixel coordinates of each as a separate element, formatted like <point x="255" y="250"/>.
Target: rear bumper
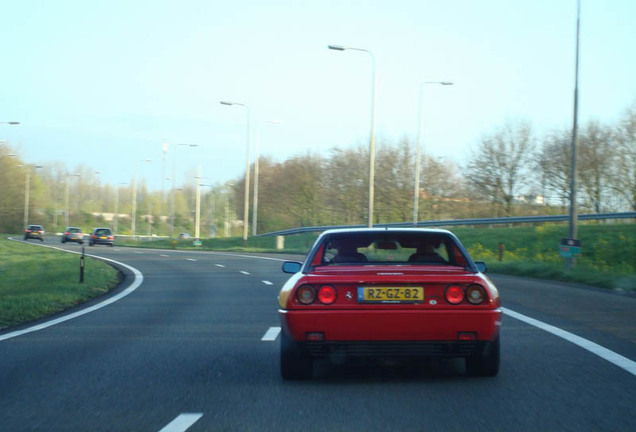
<point x="396" y="326"/>
<point x="401" y="349"/>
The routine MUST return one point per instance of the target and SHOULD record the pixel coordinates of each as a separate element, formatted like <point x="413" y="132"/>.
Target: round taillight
<point x="306" y="294"/>
<point x="454" y="294"/>
<point x="475" y="294"/>
<point x="327" y="294"/>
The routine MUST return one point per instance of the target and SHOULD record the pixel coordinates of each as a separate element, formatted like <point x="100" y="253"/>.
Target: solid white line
<point x="244" y="272"/>
<point x="139" y="278"/>
<point x="604" y="353"/>
<point x="182" y="422"/>
<point x="267" y="282"/>
<point x="271" y="334"/>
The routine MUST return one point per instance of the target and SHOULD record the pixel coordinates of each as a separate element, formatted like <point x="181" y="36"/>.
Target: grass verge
<point x="37" y="282"/>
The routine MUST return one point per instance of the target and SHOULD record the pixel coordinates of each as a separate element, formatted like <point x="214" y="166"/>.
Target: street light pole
<point x="174" y="184"/>
<point x="68" y="187"/>
<point x="246" y="198"/>
<point x="418" y="157"/>
<point x="116" y="217"/>
<point x="256" y="171"/>
<point x="27" y="190"/>
<point x="134" y="199"/>
<point x="572" y="231"/>
<point x="197" y="213"/>
<point x="372" y="131"/>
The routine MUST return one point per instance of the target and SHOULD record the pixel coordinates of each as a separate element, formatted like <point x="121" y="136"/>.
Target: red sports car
<point x="388" y="293"/>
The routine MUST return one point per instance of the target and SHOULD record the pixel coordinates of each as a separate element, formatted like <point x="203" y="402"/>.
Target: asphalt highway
<point x="194" y="347"/>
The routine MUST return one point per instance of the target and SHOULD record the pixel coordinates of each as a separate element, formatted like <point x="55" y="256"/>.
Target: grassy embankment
<point x="36" y="281"/>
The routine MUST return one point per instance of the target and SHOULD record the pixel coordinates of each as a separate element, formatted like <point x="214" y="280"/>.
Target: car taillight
<point x="454" y="294"/>
<point x="327" y="294"/>
<point x="94" y="236"/>
<point x="66" y="233"/>
<point x="475" y="294"/>
<point x="306" y="294"/>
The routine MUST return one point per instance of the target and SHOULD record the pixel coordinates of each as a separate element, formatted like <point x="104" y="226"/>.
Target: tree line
<point x="511" y="171"/>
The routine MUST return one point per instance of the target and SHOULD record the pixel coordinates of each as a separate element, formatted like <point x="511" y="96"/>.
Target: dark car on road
<point x="101" y="236"/>
<point x="73" y="234"/>
<point x="34" y="232"/>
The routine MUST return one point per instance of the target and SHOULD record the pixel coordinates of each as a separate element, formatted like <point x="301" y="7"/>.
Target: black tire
<point x="486" y="363"/>
<point x="294" y="364"/>
<point x="41" y="239"/>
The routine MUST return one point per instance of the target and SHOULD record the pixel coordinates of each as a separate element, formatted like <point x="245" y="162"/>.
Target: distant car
<point x="101" y="236"/>
<point x="388" y="294"/>
<point x="34" y="232"/>
<point x="184" y="236"/>
<point x="73" y="234"/>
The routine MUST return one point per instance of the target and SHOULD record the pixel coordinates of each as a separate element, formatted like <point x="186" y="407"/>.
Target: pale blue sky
<point x="106" y="83"/>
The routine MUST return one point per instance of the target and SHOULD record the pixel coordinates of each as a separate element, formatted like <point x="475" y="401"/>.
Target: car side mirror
<point x="481" y="266"/>
<point x="292" y="267"/>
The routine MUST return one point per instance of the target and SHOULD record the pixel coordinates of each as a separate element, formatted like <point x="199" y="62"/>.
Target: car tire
<point x="294" y="364"/>
<point x="485" y="363"/>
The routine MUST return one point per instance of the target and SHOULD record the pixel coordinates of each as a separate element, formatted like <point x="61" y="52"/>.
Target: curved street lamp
<point x="134" y="198"/>
<point x="246" y="199"/>
<point x="27" y="191"/>
<point x="174" y="184"/>
<point x="256" y="169"/>
<point x="372" y="132"/>
<point x="68" y="188"/>
<point x="416" y="192"/>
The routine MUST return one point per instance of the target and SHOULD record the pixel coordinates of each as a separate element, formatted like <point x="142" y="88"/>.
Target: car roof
<point x="387" y="230"/>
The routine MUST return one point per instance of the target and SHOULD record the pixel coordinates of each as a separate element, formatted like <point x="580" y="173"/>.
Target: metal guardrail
<point x="459" y="222"/>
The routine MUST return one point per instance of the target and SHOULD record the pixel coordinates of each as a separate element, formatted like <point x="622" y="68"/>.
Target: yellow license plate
<point x="390" y="294"/>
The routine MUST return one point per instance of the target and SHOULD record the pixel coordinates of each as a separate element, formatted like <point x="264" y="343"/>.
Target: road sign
<point x="569" y="248"/>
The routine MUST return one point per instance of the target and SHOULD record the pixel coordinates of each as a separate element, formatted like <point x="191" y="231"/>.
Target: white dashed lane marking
<point x="220" y="265"/>
<point x="244" y="272"/>
<point x="191" y="259"/>
<point x="604" y="353"/>
<point x="271" y="334"/>
<point x="267" y="282"/>
<point x="182" y="422"/>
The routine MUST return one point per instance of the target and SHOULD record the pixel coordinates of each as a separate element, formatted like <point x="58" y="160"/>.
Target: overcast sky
<point x="107" y="83"/>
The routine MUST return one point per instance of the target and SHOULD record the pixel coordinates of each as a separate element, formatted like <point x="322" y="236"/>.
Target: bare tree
<point x="394" y="182"/>
<point x="553" y="163"/>
<point x="624" y="181"/>
<point x="595" y="163"/>
<point x="500" y="168"/>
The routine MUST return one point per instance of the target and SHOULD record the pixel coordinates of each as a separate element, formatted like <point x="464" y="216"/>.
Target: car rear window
<point x="391" y="248"/>
<point x="102" y="232"/>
